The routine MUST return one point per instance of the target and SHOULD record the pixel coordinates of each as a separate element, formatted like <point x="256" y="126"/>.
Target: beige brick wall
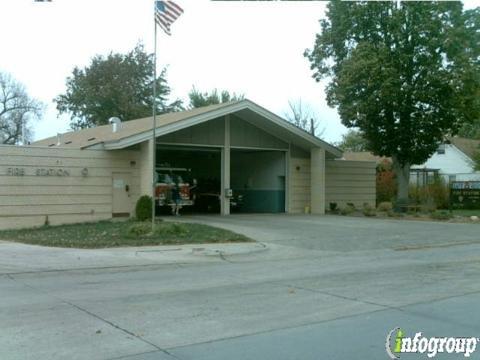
<point x="350" y="182"/>
<point x="26" y="200"/>
<point x="299" y="189"/>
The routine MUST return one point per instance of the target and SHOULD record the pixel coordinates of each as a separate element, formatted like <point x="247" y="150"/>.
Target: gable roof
<point x="364" y="156"/>
<point x="100" y="134"/>
<point x="468" y="146"/>
<point x="136" y="131"/>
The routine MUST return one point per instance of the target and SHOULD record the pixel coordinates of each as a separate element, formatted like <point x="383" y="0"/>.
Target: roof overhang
<point x="247" y="111"/>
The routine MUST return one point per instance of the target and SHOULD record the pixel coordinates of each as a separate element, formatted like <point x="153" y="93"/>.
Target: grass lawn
<point x="105" y="234"/>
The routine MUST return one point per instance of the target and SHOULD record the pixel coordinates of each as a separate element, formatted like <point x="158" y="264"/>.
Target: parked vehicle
<point x="167" y="178"/>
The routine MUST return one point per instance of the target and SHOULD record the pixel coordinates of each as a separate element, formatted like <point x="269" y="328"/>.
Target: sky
<point x="255" y="48"/>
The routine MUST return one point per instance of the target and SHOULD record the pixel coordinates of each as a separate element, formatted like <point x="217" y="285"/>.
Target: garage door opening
<point x="258" y="177"/>
<point x="199" y="167"/>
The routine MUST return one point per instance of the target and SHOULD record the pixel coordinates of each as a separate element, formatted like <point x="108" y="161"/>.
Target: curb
<point x="222" y="252"/>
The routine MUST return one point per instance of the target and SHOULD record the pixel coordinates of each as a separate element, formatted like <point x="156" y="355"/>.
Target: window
<point x="441" y="149"/>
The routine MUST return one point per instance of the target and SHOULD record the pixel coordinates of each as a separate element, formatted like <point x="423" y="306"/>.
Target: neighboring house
<point x="453" y="160"/>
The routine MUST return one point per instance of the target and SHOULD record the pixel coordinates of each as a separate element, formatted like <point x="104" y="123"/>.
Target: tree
<point x="199" y="99"/>
<point x="17" y="110"/>
<point x="476" y="160"/>
<point x="117" y="85"/>
<point x="470" y="130"/>
<point x="405" y="75"/>
<point x="302" y="116"/>
<point x="353" y="140"/>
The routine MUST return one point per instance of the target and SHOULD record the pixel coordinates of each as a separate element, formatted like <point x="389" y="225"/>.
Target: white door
<point x="121" y="202"/>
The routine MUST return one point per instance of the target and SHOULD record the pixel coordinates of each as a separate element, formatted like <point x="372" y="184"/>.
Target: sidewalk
<point x="17" y="257"/>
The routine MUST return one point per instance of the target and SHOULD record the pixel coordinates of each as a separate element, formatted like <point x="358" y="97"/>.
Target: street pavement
<point x="315" y="287"/>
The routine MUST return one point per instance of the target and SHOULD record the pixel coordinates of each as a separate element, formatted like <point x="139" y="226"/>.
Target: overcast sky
<point x="255" y="48"/>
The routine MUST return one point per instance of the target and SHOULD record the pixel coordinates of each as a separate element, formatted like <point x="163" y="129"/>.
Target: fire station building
<point x="230" y="149"/>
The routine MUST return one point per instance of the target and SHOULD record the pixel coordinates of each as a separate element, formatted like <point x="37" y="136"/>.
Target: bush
<point x="440" y="193"/>
<point x="137" y="230"/>
<point x="432" y="196"/>
<point x="347" y="210"/>
<point x="143" y="209"/>
<point x="368" y="210"/>
<point x="441" y="215"/>
<point x="385" y="206"/>
<point x="386" y="185"/>
<point x="333" y="206"/>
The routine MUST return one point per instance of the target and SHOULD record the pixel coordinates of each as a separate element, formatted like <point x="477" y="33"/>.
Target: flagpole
<point x="154" y="121"/>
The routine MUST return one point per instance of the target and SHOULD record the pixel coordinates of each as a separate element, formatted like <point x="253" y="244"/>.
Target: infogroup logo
<point x="397" y="343"/>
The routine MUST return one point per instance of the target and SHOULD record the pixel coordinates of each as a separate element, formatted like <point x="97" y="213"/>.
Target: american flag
<point x="166" y="12"/>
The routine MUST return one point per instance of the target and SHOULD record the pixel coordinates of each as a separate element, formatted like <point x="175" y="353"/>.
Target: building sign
<point x="52" y="172"/>
<point x="57" y="172"/>
<point x="15" y="171"/>
<point x="465" y="194"/>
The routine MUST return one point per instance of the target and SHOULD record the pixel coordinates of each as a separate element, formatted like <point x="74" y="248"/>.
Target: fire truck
<point x="167" y="178"/>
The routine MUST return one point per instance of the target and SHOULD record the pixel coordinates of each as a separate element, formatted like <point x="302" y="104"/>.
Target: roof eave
<point x="198" y="119"/>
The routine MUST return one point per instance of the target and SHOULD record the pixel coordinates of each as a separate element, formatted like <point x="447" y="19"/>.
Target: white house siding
<point x="28" y="195"/>
<point x="453" y="165"/>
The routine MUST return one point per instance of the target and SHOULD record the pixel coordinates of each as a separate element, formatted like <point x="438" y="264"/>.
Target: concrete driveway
<point x="327" y="288"/>
<point x="342" y="233"/>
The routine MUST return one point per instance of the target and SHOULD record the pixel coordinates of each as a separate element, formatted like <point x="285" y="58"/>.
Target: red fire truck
<point x="167" y="178"/>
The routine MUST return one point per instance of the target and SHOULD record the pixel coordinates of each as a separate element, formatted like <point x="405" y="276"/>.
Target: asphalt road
<point x="327" y="288"/>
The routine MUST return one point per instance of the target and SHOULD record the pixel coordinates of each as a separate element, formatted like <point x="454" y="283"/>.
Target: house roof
<point x="468" y="146"/>
<point x="100" y="134"/>
<point x="135" y="131"/>
<point x="363" y="156"/>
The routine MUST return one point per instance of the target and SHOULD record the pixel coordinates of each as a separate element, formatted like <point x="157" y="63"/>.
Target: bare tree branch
<point x="304" y="117"/>
<point x="17" y="110"/>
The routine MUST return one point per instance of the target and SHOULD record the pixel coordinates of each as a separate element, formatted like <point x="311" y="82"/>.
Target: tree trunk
<point x="402" y="172"/>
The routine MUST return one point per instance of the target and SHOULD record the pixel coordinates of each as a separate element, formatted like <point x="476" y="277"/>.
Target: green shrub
<point x="440" y="193"/>
<point x="143" y="209"/>
<point x="385" y="206"/>
<point x="139" y="229"/>
<point x="333" y="207"/>
<point x="418" y="195"/>
<point x="368" y="210"/>
<point x="441" y="215"/>
<point x="432" y="196"/>
<point x="347" y="210"/>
